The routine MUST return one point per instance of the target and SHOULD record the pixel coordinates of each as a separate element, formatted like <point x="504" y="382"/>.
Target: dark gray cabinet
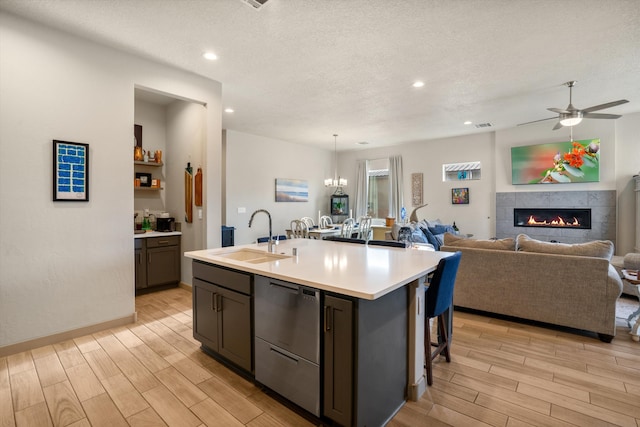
<point x="222" y="312"/>
<point x="157" y="262"/>
<point x="338" y="360"/>
<point x="365" y="358"/>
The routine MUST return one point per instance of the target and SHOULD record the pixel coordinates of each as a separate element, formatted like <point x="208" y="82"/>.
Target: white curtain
<point x="362" y="189"/>
<point x="396" y="187"/>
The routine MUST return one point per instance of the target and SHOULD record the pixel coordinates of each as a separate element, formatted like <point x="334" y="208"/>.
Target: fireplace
<point x="552" y="218"/>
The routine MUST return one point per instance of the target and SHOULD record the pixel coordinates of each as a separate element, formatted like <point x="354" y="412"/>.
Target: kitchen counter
<point x="157" y="234"/>
<point x="356" y="270"/>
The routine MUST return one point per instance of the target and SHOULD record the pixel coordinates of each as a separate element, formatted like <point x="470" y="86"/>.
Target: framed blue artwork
<point x="70" y="171"/>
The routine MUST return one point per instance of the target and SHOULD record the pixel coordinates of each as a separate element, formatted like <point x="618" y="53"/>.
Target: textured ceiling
<point x="302" y="70"/>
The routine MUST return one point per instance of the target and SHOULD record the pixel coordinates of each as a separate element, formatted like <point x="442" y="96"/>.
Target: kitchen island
<point x="372" y="318"/>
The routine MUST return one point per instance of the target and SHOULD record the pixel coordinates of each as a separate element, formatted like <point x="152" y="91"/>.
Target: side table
<point x="631" y="276"/>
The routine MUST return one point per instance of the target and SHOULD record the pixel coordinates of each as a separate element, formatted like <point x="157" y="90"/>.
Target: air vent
<point x="257" y="4"/>
<point x="483" y="125"/>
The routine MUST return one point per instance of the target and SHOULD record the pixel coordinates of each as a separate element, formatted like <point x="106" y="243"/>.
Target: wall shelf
<point x="151" y="164"/>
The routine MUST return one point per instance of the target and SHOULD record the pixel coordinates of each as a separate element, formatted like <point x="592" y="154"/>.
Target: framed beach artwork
<point x="556" y="163"/>
<point x="460" y="196"/>
<point x="70" y="171"/>
<point x="292" y="190"/>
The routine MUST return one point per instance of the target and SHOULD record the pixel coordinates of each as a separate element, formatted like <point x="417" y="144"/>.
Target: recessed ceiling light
<point x="467" y="122"/>
<point x="229" y="110"/>
<point x="362" y="143"/>
<point x="418" y="84"/>
<point x="210" y="56"/>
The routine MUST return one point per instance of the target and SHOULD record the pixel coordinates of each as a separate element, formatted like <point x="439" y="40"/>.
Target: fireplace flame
<point x="558" y="222"/>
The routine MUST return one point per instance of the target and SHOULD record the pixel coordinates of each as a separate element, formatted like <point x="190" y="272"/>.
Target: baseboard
<point x="185" y="286"/>
<point x="64" y="336"/>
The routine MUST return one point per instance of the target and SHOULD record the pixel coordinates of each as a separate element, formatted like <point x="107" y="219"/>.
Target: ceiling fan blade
<point x="603" y="106"/>
<point x="601" y="116"/>
<point x="536" y="121"/>
<point x="557" y="126"/>
<point x="559" y="111"/>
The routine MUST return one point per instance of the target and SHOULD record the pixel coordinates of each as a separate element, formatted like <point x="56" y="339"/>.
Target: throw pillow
<point x="507" y="244"/>
<point x="431" y="238"/>
<point x="597" y="248"/>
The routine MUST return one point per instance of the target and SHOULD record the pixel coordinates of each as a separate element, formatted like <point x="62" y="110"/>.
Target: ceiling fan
<point x="571" y="115"/>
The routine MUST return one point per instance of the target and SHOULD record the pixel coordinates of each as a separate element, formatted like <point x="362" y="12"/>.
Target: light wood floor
<point x="152" y="373"/>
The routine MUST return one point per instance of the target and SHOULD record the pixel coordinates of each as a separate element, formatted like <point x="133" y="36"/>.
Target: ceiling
<point x="301" y="70"/>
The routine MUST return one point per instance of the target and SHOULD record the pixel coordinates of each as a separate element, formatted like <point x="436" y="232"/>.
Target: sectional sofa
<point x="573" y="286"/>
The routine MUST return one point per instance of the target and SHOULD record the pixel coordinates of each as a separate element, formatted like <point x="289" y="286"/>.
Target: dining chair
<point x="347" y="228"/>
<point x="266" y="238"/>
<point x="364" y="227"/>
<point x="325" y="221"/>
<point x="299" y="229"/>
<point x="438" y="300"/>
<point x="309" y="221"/>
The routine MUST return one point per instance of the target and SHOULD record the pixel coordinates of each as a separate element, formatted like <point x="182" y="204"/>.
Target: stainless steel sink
<point x="252" y="256"/>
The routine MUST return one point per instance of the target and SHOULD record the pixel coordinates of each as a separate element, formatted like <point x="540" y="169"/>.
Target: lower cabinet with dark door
<point x="365" y="358"/>
<point x="222" y="312"/>
<point x="157" y="261"/>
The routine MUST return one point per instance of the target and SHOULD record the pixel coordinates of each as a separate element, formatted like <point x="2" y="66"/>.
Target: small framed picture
<point x="145" y="179"/>
<point x="70" y="171"/>
<point x="460" y="196"/>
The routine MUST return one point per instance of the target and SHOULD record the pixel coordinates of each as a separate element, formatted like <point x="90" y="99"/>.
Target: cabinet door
<point x="141" y="267"/>
<point x="163" y="265"/>
<point x="234" y="327"/>
<point x="338" y="360"/>
<point x="205" y="316"/>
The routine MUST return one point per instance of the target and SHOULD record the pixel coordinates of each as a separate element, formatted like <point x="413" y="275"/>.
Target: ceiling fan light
<point x="570" y="121"/>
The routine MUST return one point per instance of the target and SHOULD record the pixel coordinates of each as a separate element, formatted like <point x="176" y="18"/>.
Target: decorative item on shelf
<point x="188" y="193"/>
<point x="158" y="156"/>
<point x="336" y="182"/>
<point x="136" y="182"/>
<point x="145" y="179"/>
<point x="151" y="157"/>
<point x="155" y="183"/>
<point x="138" y="153"/>
<point x="198" y="187"/>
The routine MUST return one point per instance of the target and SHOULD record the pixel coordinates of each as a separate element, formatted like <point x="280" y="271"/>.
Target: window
<point x="378" y="197"/>
<point x="461" y="171"/>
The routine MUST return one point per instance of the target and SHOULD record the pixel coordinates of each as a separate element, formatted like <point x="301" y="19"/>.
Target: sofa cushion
<point x="597" y="248"/>
<point x="507" y="244"/>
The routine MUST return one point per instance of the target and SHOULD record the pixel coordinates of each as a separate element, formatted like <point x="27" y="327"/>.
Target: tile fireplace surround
<point x="601" y="203"/>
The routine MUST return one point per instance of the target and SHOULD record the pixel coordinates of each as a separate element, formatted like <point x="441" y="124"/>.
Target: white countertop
<point x="157" y="234"/>
<point x="357" y="270"/>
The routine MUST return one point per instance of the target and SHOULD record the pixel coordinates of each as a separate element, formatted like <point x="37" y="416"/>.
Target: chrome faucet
<point x="270" y="243"/>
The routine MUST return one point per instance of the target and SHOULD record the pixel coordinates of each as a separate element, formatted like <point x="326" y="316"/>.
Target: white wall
<point x="186" y="133"/>
<point x="67" y="265"/>
<point x="252" y="165"/>
<point x="620" y="160"/>
<point x="427" y="158"/>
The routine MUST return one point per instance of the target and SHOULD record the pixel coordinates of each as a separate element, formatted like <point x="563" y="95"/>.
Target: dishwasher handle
<point x="286" y="286"/>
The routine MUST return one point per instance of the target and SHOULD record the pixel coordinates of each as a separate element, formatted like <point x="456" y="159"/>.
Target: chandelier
<point x="335" y="182"/>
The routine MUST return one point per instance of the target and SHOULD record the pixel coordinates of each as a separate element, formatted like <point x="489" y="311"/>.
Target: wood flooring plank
<point x="135" y="371"/>
<point x="86" y="344"/>
<point x="149" y="358"/>
<point x="193" y="371"/>
<point x="69" y="354"/>
<point x="50" y="370"/>
<point x="454" y="418"/>
<point x="576" y="405"/>
<point x="213" y="414"/>
<point x="101" y="363"/>
<point x="124" y="395"/>
<point x="101" y="411"/>
<point x="146" y="418"/>
<point x="84" y="382"/>
<point x="20" y="362"/>
<point x="7" y="418"/>
<point x="560" y="372"/>
<point x="127" y="338"/>
<point x="616" y="372"/>
<point x="82" y="423"/>
<point x="43" y="351"/>
<point x="513" y="410"/>
<point x="35" y="415"/>
<point x="64" y="407"/>
<point x="277" y="410"/>
<point x="446" y="405"/>
<point x="239" y="384"/>
<point x="230" y="399"/>
<point x="181" y="387"/>
<point x="577" y="418"/>
<point x="25" y="389"/>
<point x="154" y="341"/>
<point x="170" y="408"/>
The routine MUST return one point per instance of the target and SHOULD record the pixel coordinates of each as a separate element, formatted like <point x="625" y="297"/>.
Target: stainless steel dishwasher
<point x="287" y="340"/>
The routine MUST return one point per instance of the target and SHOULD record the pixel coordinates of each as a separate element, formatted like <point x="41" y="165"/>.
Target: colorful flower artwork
<point x="556" y="163"/>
